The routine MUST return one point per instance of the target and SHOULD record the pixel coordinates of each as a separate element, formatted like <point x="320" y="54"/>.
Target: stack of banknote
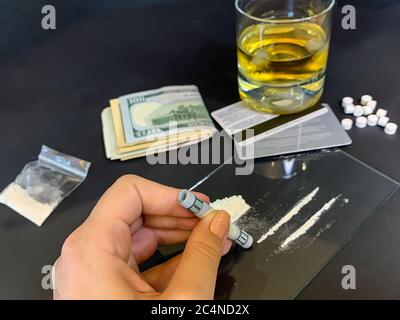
<point x="155" y="121"/>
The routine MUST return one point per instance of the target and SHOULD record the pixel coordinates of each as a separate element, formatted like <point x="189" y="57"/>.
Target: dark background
<point x="54" y="84"/>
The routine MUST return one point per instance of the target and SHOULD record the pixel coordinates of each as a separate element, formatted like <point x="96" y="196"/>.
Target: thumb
<point x="196" y="274"/>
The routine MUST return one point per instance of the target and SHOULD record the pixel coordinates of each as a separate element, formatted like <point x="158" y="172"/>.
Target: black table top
<point x="54" y="85"/>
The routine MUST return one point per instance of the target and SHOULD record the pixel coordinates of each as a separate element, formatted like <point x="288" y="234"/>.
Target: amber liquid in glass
<point x="282" y="66"/>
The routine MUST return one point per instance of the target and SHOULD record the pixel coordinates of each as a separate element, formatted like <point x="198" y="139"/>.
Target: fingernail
<point x="220" y="225"/>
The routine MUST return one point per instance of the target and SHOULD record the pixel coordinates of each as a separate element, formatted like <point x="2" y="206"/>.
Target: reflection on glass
<point x="282" y="169"/>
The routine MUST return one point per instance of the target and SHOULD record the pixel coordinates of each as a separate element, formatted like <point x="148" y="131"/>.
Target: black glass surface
<point x="268" y="271"/>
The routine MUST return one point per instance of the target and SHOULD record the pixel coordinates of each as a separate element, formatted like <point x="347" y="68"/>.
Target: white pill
<point x="349" y="109"/>
<point x="381" y="113"/>
<point x="383" y="121"/>
<point x="365" y="99"/>
<point x="372" y="120"/>
<point x="347" y="124"/>
<point x="347" y="101"/>
<point x="361" y="122"/>
<point x="372" y="104"/>
<point x="368" y="110"/>
<point x="391" y="128"/>
<point x="358" y="111"/>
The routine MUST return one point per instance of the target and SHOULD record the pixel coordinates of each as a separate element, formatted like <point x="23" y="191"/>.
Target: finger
<point x="146" y="241"/>
<point x="136" y="225"/>
<point x="160" y="276"/>
<point x="226" y="246"/>
<point x="131" y="196"/>
<point x="170" y="223"/>
<point x="168" y="237"/>
<point x="196" y="273"/>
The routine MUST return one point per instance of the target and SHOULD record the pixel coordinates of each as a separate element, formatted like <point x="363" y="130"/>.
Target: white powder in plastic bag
<point x="43" y="184"/>
<point x="19" y="200"/>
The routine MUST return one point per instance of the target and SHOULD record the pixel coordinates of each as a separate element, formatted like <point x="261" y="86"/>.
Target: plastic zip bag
<point x="43" y="184"/>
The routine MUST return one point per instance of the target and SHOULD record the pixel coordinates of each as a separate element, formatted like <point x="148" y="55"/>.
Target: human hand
<point x="100" y="259"/>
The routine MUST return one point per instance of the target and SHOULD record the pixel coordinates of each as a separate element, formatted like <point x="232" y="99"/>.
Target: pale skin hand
<point x="100" y="259"/>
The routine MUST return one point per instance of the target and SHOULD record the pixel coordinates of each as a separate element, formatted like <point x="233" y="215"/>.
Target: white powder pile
<point x="294" y="211"/>
<point x="236" y="206"/>
<point x="19" y="200"/>
<point x="309" y="223"/>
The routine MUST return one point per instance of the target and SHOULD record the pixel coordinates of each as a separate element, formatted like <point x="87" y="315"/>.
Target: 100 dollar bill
<point x="113" y="153"/>
<point x="151" y="114"/>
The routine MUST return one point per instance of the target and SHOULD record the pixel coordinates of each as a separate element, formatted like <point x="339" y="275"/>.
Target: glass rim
<point x="273" y="21"/>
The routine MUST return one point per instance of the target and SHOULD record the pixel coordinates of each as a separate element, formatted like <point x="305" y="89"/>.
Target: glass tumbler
<point x="282" y="48"/>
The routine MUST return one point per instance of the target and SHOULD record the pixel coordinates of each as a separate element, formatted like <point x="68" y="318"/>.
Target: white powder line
<point x="294" y="211"/>
<point x="310" y="222"/>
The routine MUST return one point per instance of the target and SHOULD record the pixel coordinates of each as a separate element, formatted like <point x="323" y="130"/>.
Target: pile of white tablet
<point x="366" y="116"/>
